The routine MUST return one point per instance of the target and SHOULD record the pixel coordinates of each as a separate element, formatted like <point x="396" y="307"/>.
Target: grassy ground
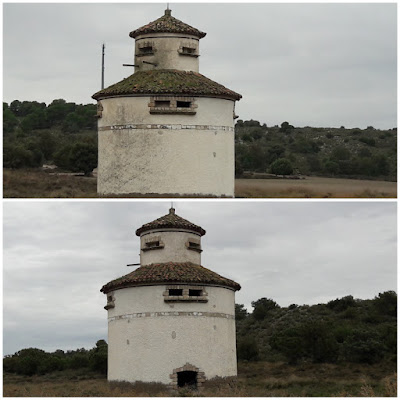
<point x="260" y="379"/>
<point x="314" y="187"/>
<point x="40" y="184"/>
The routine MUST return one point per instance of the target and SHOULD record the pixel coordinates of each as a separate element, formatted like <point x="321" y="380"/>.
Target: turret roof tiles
<point x="170" y="220"/>
<point x="167" y="24"/>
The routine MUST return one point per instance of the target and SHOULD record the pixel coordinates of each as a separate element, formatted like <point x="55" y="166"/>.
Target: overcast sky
<point x="309" y="64"/>
<point x="57" y="256"/>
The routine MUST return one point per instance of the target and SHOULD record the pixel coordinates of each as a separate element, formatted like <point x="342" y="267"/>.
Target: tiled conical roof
<point x="167" y="24"/>
<point x="171" y="220"/>
<point x="171" y="272"/>
<point x="167" y="82"/>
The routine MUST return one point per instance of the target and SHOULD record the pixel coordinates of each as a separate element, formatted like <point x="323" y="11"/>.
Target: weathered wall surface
<point x="174" y="249"/>
<point x="149" y="338"/>
<point x="179" y="154"/>
<point x="167" y="48"/>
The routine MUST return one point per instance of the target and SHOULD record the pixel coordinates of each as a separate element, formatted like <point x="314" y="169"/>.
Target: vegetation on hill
<point x="332" y="152"/>
<point x="61" y="133"/>
<point x="64" y="133"/>
<point x="35" y="361"/>
<point x="343" y="330"/>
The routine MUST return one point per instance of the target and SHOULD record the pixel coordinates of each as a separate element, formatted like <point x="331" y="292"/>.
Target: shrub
<point x="281" y="166"/>
<point x="247" y="349"/>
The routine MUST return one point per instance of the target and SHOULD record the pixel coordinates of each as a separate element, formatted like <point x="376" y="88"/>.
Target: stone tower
<point x="171" y="320"/>
<point x="166" y="129"/>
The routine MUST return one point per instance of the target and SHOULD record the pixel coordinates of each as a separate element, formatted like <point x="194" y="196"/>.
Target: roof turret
<point x="170" y="220"/>
<point x="167" y="24"/>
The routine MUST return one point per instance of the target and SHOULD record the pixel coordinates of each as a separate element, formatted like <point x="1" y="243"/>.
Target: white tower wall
<point x="172" y="154"/>
<point x="150" y="339"/>
<point x="168" y="52"/>
<point x="173" y="246"/>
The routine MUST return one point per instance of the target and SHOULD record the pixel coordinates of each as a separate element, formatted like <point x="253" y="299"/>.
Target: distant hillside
<point x="66" y="134"/>
<point x="333" y="152"/>
<point x="343" y="330"/>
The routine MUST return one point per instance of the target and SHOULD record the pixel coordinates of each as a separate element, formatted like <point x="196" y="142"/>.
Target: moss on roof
<point x="167" y="24"/>
<point x="170" y="273"/>
<point x="167" y="82"/>
<point x="171" y="220"/>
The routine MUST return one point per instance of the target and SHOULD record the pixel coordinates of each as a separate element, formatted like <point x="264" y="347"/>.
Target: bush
<point x="247" y="349"/>
<point x="281" y="166"/>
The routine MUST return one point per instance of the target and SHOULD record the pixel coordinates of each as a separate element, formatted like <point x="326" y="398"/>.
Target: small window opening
<point x="193" y="244"/>
<point x="188" y="50"/>
<point x="146" y="50"/>
<point x="109" y="299"/>
<point x="175" y="292"/>
<point x="162" y="103"/>
<point x="183" y="104"/>
<point x="195" y="292"/>
<point x="187" y="378"/>
<point x="153" y="244"/>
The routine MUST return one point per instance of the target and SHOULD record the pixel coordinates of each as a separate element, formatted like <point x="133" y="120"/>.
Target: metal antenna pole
<point x="102" y="67"/>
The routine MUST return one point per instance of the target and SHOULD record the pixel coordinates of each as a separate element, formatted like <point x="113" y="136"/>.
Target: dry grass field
<point x="36" y="183"/>
<point x="315" y="187"/>
<point x="255" y="379"/>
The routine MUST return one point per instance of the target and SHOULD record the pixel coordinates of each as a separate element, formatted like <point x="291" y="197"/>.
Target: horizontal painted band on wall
<point x="172" y="314"/>
<point x="167" y="126"/>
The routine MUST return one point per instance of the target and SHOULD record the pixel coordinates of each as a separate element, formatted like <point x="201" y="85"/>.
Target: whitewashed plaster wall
<point x="149" y="347"/>
<point x="174" y="249"/>
<point x="166" y="153"/>
<point x="166" y="47"/>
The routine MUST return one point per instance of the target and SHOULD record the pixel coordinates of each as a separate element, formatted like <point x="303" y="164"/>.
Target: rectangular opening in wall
<point x="188" y="50"/>
<point x="146" y="50"/>
<point x="162" y="103"/>
<point x="109" y="299"/>
<point x="183" y="104"/>
<point x="153" y="244"/>
<point x="195" y="292"/>
<point x="175" y="292"/>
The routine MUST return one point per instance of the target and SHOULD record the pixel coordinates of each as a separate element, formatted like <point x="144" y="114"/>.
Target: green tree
<point x="262" y="307"/>
<point x="240" y="312"/>
<point x="386" y="303"/>
<point x="9" y="120"/>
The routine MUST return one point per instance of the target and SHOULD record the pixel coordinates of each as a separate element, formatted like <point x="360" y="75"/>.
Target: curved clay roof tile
<point x="171" y="220"/>
<point x="170" y="273"/>
<point x="167" y="82"/>
<point x="167" y="24"/>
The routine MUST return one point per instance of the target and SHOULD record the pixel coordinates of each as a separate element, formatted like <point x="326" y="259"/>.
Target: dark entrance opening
<point x="187" y="378"/>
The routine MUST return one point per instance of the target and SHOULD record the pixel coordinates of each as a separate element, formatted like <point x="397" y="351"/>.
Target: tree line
<point x="332" y="152"/>
<point x="61" y="133"/>
<point x="35" y="361"/>
<point x="64" y="133"/>
<point x="342" y="330"/>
